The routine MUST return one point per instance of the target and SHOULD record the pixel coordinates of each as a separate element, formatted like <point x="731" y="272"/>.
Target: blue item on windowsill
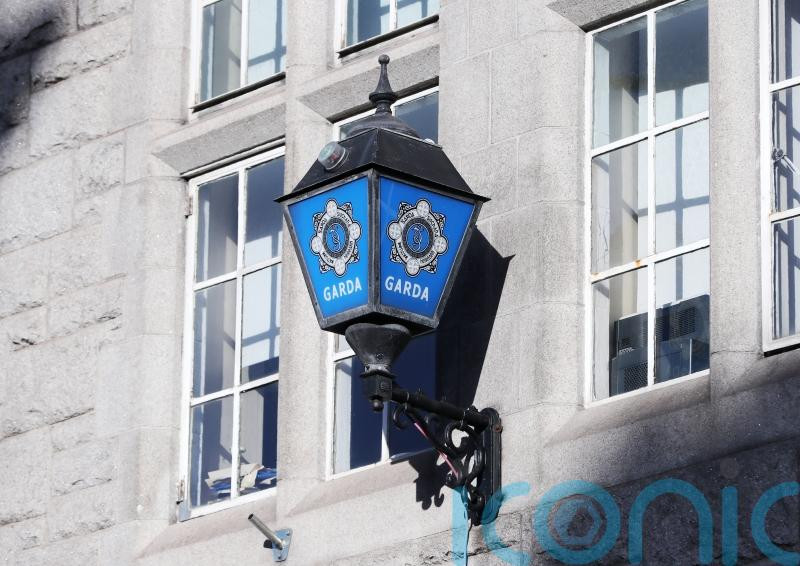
<point x="223" y="487"/>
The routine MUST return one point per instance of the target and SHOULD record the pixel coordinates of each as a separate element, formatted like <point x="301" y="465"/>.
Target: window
<point x="232" y="334"/>
<point x="242" y="43"/>
<point x="648" y="181"/>
<point x="365" y="19"/>
<point x="780" y="136"/>
<point x="360" y="436"/>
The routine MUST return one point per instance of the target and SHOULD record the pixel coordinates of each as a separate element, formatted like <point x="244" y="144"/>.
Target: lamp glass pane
<point x="425" y="232"/>
<point x="332" y="231"/>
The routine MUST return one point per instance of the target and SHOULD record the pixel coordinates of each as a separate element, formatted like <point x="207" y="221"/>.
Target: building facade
<point x="628" y="302"/>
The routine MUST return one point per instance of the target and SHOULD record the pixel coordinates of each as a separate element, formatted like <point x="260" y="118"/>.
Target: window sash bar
<point x="650" y="260"/>
<point x="588" y="335"/>
<point x="638" y="15"/>
<point x="224" y="278"/>
<point x="227" y="392"/>
<point x="784" y="84"/>
<point x="767" y="268"/>
<point x="783" y="214"/>
<point x="262" y="264"/>
<point x="651" y="194"/>
<point x="655" y="132"/>
<point x="237" y="359"/>
<point x="392" y="15"/>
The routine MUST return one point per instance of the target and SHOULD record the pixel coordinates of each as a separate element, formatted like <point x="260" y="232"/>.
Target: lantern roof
<point x="385" y="142"/>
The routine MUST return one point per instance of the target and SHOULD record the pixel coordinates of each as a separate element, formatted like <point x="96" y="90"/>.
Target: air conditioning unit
<point x="681" y="337"/>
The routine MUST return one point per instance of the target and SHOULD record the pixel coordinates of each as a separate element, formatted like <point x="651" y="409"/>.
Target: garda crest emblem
<point x="335" y="237"/>
<point x="418" y="237"/>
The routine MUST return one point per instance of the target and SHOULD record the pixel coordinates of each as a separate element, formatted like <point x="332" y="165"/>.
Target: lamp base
<point x="377" y="345"/>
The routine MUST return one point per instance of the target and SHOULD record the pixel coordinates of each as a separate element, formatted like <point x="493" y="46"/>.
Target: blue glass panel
<point x="421" y="233"/>
<point x="333" y="230"/>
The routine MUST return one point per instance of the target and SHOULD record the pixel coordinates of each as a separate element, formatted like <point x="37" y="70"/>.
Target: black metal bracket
<point x="467" y="439"/>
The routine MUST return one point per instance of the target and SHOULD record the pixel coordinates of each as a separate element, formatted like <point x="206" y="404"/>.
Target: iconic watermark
<point x="600" y="517"/>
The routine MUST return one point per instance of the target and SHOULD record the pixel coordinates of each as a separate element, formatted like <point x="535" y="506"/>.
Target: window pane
<point x="682" y="186"/>
<point x="261" y="323"/>
<point x="786" y="277"/>
<point x="221" y="50"/>
<point x="681" y="328"/>
<point x="358" y="429"/>
<point x="415" y="370"/>
<point x="620" y="82"/>
<point x="366" y="18"/>
<point x="409" y="11"/>
<point x="620" y="334"/>
<point x="266" y="39"/>
<point x="681" y="61"/>
<point x="786" y="149"/>
<point x="258" y="438"/>
<point x="421" y="114"/>
<point x="340" y="343"/>
<point x="214" y="337"/>
<point x="264" y="221"/>
<point x="619" y="207"/>
<point x="785" y="50"/>
<point x="217" y="227"/>
<point x="345" y="129"/>
<point x="210" y="466"/>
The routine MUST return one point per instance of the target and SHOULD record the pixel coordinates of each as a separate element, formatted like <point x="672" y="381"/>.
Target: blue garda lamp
<point x="380" y="224"/>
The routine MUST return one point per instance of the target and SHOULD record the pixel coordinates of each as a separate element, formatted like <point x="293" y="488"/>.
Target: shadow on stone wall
<point x="462" y="340"/>
<point x="25" y="25"/>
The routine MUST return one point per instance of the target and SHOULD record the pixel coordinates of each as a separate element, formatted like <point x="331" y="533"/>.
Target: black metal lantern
<point x="380" y="224"/>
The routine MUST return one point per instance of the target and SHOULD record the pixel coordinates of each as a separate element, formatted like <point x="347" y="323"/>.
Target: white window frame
<point x="400" y="101"/>
<point x="335" y="357"/>
<point x="340" y="27"/>
<point x="649" y="261"/>
<point x="196" y="58"/>
<point x="185" y="510"/>
<point x="768" y="217"/>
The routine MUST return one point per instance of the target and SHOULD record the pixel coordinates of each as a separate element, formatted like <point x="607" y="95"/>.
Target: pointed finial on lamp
<point x="383" y="96"/>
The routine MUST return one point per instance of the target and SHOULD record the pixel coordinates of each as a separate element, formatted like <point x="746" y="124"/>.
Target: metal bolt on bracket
<point x="278" y="541"/>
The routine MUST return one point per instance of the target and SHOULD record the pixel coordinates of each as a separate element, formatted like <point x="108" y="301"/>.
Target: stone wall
<point x="95" y="134"/>
<point x="91" y="259"/>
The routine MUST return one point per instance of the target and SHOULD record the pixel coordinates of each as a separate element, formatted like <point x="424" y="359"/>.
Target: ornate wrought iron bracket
<point x="467" y="439"/>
